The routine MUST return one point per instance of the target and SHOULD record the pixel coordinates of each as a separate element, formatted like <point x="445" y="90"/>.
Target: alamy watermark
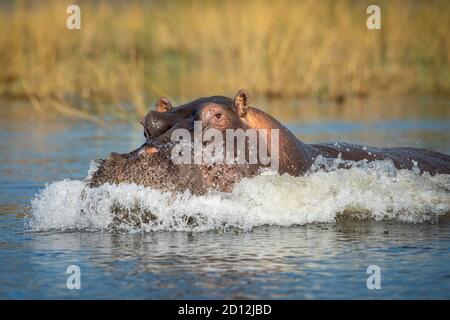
<point x="373" y="22"/>
<point x="74" y="279"/>
<point x="374" y="280"/>
<point x="231" y="146"/>
<point x="73" y="22"/>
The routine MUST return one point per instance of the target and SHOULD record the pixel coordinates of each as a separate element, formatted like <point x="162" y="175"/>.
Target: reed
<point x="127" y="54"/>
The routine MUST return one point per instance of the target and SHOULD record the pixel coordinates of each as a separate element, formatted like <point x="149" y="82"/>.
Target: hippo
<point x="157" y="122"/>
<point x="157" y="170"/>
<point x="152" y="165"/>
<point x="297" y="157"/>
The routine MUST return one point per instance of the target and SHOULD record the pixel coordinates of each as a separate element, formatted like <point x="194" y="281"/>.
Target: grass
<point x="126" y="55"/>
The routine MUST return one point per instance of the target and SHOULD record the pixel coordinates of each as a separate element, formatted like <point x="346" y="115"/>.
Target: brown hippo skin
<point x="158" y="127"/>
<point x="403" y="158"/>
<point x="295" y="157"/>
<point x="157" y="122"/>
<point x="157" y="170"/>
<point x="150" y="165"/>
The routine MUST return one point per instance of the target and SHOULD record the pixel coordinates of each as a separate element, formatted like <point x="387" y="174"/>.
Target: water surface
<point x="303" y="258"/>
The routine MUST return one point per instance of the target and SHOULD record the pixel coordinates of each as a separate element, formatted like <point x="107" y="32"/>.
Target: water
<point x="273" y="237"/>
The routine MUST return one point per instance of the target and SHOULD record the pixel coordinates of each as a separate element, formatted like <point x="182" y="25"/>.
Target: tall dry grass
<point x="135" y="51"/>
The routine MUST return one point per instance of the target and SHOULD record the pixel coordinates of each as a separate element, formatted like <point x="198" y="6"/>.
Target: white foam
<point x="375" y="190"/>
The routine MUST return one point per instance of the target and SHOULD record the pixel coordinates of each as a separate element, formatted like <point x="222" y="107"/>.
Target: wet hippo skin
<point x="151" y="164"/>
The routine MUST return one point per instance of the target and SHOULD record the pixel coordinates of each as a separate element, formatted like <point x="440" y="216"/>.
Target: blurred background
<point x="128" y="53"/>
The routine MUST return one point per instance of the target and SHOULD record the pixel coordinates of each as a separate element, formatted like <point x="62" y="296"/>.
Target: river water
<point x="311" y="237"/>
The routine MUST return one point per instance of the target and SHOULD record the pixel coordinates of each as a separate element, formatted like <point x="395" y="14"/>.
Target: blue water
<point x="313" y="261"/>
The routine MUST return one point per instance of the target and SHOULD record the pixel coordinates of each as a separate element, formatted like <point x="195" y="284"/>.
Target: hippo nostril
<point x="218" y="115"/>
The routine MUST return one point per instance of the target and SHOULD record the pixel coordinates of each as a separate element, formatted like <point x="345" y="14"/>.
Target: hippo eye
<point x="218" y="115"/>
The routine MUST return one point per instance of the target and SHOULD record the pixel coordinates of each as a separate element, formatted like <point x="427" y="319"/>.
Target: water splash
<point x="371" y="190"/>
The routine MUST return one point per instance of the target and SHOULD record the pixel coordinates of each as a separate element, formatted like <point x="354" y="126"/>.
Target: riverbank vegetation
<point x="127" y="54"/>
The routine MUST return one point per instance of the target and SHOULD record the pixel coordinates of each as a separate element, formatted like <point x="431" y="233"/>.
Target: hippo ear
<point x="241" y="103"/>
<point x="163" y="105"/>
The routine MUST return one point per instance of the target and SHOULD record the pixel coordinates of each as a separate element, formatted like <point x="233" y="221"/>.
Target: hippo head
<point x="221" y="116"/>
<point x="157" y="122"/>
